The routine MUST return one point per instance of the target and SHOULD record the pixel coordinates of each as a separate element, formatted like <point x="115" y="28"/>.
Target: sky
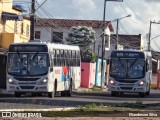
<point x="141" y="11"/>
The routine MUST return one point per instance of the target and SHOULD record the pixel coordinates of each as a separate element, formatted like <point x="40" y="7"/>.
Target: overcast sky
<point x="142" y="11"/>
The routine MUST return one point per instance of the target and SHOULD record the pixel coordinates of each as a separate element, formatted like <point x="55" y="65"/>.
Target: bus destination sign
<point x="127" y="54"/>
<point x="28" y="48"/>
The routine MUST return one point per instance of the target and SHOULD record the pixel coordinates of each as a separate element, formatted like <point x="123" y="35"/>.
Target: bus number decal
<point x="57" y="71"/>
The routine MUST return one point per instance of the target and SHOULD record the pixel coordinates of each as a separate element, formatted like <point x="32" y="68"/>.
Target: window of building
<point x="27" y="30"/>
<point x="37" y="34"/>
<point x="16" y="27"/>
<point x="106" y="41"/>
<point x="22" y="31"/>
<point x="57" y="37"/>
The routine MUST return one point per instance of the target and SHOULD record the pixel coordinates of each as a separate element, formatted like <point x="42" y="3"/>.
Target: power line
<point x="134" y="12"/>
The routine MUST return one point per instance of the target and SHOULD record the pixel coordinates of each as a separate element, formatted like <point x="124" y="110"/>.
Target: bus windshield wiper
<point x="120" y="61"/>
<point x="134" y="62"/>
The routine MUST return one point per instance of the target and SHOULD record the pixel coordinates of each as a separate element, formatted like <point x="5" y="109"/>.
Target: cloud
<point x="142" y="11"/>
<point x="84" y="8"/>
<point x="153" y="1"/>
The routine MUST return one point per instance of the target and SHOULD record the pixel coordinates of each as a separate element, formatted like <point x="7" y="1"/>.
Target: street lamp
<point x="118" y="27"/>
<point x="103" y="38"/>
<point x="149" y="38"/>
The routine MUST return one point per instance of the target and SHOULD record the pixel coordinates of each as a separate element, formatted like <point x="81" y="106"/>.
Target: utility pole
<point x="118" y="28"/>
<point x="103" y="40"/>
<point x="32" y="19"/>
<point x="149" y="37"/>
<point x="117" y="33"/>
<point x="103" y="43"/>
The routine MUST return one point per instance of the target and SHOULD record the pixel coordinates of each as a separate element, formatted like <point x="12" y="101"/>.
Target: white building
<point x="55" y="30"/>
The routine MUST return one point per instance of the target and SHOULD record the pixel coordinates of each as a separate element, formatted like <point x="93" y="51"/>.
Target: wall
<point x="7" y="38"/>
<point x="9" y="26"/>
<point x="98" y="43"/>
<point x="45" y="33"/>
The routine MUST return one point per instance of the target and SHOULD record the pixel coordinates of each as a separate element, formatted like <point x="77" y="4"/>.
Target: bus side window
<point x="58" y="58"/>
<point x="62" y="58"/>
<point x="74" y="57"/>
<point x="66" y="57"/>
<point x="55" y="57"/>
<point x="77" y="58"/>
<point x="70" y="58"/>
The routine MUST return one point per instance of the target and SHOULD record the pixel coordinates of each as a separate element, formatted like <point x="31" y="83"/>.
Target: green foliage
<point x="88" y="56"/>
<point x="82" y="36"/>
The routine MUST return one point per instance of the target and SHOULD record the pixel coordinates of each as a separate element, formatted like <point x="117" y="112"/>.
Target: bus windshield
<point x="25" y="64"/>
<point x="132" y="68"/>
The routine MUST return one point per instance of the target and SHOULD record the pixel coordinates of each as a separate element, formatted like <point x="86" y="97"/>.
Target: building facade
<point x="14" y="26"/>
<point x="127" y="42"/>
<point x="56" y="30"/>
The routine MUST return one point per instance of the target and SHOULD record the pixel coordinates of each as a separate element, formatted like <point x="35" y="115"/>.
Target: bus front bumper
<point x="134" y="89"/>
<point x="27" y="88"/>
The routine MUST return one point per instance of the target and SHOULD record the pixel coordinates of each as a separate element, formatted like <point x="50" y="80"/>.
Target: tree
<point x="83" y="37"/>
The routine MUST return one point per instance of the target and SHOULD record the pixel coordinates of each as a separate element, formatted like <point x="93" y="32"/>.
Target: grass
<point x="94" y="110"/>
<point x="94" y="89"/>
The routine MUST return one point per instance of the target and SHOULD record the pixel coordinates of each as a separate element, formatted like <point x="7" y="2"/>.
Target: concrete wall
<point x="45" y="33"/>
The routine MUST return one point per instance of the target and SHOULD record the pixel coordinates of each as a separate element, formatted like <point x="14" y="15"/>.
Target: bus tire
<point x="148" y="92"/>
<point x="17" y="94"/>
<point x="142" y="94"/>
<point x="51" y="94"/>
<point x="55" y="87"/>
<point x="121" y="93"/>
<point x="63" y="93"/>
<point x="69" y="92"/>
<point x="113" y="93"/>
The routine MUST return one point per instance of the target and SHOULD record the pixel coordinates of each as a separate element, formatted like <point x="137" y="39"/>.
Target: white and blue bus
<point x="36" y="67"/>
<point x="130" y="71"/>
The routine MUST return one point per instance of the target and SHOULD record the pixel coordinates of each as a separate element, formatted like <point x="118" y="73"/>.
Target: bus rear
<point x="130" y="71"/>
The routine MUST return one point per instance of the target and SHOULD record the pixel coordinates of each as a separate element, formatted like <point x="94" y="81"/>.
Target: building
<point x="14" y="26"/>
<point x="127" y="42"/>
<point x="55" y="30"/>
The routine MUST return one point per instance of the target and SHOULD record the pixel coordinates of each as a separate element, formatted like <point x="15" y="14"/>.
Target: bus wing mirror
<point x="51" y="69"/>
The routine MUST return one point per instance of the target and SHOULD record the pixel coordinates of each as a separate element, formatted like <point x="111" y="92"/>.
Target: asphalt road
<point x="8" y="101"/>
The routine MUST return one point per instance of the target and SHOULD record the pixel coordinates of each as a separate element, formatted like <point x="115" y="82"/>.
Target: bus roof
<point x="51" y="46"/>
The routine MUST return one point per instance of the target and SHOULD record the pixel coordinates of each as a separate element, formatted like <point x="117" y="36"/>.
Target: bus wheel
<point x="69" y="92"/>
<point x="121" y="93"/>
<point x="148" y="92"/>
<point x="55" y="88"/>
<point x="142" y="94"/>
<point x="63" y="93"/>
<point x="51" y="94"/>
<point x="17" y="94"/>
<point x="113" y="93"/>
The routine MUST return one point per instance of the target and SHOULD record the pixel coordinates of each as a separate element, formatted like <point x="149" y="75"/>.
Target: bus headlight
<point x="11" y="81"/>
<point x="112" y="82"/>
<point x="141" y="83"/>
<point x="44" y="81"/>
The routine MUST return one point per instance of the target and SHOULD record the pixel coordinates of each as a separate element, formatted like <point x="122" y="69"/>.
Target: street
<point x="8" y="101"/>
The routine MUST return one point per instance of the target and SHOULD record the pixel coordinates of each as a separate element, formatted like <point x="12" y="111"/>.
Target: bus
<point x="36" y="68"/>
<point x="130" y="71"/>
